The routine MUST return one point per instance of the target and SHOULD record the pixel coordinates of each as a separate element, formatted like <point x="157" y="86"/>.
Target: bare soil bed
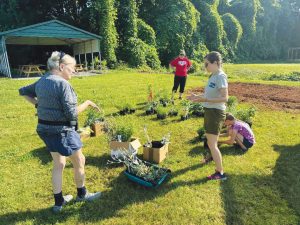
<point x="274" y="97"/>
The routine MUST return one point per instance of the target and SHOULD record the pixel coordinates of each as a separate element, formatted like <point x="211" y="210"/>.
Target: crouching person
<point x="238" y="132"/>
<point x="57" y="111"/>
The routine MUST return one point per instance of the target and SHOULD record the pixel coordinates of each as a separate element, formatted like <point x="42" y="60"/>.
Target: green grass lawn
<point x="263" y="185"/>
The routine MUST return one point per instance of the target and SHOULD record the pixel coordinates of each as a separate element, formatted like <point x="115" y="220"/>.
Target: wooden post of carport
<point x="100" y="58"/>
<point x="85" y="56"/>
<point x="92" y="55"/>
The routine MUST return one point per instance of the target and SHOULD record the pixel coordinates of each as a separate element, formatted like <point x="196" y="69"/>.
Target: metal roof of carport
<point x="53" y="32"/>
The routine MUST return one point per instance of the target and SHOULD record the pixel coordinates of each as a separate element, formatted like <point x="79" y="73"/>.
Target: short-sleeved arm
<point x="189" y="63"/>
<point x="28" y="90"/>
<point x="222" y="81"/>
<point x="69" y="102"/>
<point x="236" y="127"/>
<point x="173" y="62"/>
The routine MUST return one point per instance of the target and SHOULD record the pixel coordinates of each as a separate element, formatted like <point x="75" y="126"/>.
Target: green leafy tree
<point x="212" y="27"/>
<point x="107" y="29"/>
<point x="233" y="28"/>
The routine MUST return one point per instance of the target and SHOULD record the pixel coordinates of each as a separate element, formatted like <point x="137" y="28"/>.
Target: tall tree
<point x="106" y="15"/>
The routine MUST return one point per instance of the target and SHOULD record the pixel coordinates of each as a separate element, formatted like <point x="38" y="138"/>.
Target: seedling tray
<point x="144" y="183"/>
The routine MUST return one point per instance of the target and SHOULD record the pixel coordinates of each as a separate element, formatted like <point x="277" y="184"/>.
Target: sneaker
<point x="88" y="197"/>
<point x="67" y="199"/>
<point x="217" y="176"/>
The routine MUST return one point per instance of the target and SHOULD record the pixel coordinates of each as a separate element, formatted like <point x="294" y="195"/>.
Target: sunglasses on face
<point x="62" y="54"/>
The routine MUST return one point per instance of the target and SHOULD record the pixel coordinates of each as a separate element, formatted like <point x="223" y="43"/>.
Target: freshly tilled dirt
<point x="274" y="97"/>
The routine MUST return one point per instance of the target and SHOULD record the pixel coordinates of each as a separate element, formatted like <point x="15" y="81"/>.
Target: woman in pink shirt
<point x="182" y="65"/>
<point x="239" y="132"/>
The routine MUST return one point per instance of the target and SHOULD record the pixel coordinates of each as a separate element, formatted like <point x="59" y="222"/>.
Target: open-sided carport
<point x="53" y="32"/>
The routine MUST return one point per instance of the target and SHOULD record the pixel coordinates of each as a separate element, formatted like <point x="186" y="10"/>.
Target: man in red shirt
<point x="182" y="65"/>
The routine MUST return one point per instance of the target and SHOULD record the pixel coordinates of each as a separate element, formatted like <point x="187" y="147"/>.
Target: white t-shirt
<point x="213" y="88"/>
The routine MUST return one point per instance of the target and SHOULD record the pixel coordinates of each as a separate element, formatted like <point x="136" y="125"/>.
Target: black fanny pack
<point x="73" y="123"/>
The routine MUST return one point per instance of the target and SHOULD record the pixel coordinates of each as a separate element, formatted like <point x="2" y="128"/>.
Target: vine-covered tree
<point x="135" y="31"/>
<point x="106" y="12"/>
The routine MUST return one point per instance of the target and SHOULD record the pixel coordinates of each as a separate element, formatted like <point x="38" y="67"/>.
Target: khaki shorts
<point x="213" y="120"/>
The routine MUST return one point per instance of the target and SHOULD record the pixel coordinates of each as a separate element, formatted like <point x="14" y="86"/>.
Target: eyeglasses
<point x="62" y="54"/>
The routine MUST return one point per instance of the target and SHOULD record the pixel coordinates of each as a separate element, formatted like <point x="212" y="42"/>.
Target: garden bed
<point x="274" y="97"/>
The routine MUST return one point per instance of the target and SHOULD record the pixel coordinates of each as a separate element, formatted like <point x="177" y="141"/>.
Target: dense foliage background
<point x="151" y="32"/>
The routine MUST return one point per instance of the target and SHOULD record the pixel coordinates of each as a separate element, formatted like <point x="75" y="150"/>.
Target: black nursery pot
<point x="157" y="144"/>
<point x="123" y="112"/>
<point x="184" y="117"/>
<point x="161" y="117"/>
<point x="200" y="114"/>
<point x="150" y="111"/>
<point x="132" y="111"/>
<point x="173" y="113"/>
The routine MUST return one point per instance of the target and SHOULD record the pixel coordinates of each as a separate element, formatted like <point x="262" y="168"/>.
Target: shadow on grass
<point x="43" y="154"/>
<point x="101" y="161"/>
<point x="250" y="199"/>
<point x="287" y="175"/>
<point x="225" y="150"/>
<point x="121" y="194"/>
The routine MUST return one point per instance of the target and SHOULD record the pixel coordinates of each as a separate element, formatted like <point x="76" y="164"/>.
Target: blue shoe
<point x="67" y="199"/>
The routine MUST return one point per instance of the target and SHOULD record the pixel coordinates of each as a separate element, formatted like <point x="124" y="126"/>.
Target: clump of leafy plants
<point x="185" y="111"/>
<point x="294" y="76"/>
<point x="232" y="102"/>
<point x="126" y="108"/>
<point x="246" y="115"/>
<point x="201" y="133"/>
<point x="197" y="109"/>
<point x="163" y="97"/>
<point x="118" y="132"/>
<point x="124" y="133"/>
<point x="151" y="107"/>
<point x="139" y="168"/>
<point x="93" y="117"/>
<point x="173" y="111"/>
<point x="162" y="113"/>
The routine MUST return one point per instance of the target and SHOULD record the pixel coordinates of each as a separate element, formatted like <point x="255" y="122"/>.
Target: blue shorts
<point x="65" y="143"/>
<point x="247" y="143"/>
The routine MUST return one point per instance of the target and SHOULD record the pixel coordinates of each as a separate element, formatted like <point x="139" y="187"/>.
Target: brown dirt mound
<point x="274" y="97"/>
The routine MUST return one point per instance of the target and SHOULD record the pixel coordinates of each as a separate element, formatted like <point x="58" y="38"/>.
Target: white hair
<point x="55" y="59"/>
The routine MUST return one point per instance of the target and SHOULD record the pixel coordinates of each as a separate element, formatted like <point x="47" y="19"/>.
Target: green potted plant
<point x="162" y="113"/>
<point x="126" y="108"/>
<point x="163" y="98"/>
<point x="173" y="111"/>
<point x="121" y="139"/>
<point x="201" y="133"/>
<point x="151" y="107"/>
<point x="197" y="109"/>
<point x="95" y="121"/>
<point x="185" y="111"/>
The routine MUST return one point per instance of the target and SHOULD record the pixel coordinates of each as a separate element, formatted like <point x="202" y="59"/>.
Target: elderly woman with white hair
<point x="57" y="111"/>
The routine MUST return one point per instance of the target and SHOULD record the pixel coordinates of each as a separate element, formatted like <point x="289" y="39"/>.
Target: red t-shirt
<point x="181" y="65"/>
